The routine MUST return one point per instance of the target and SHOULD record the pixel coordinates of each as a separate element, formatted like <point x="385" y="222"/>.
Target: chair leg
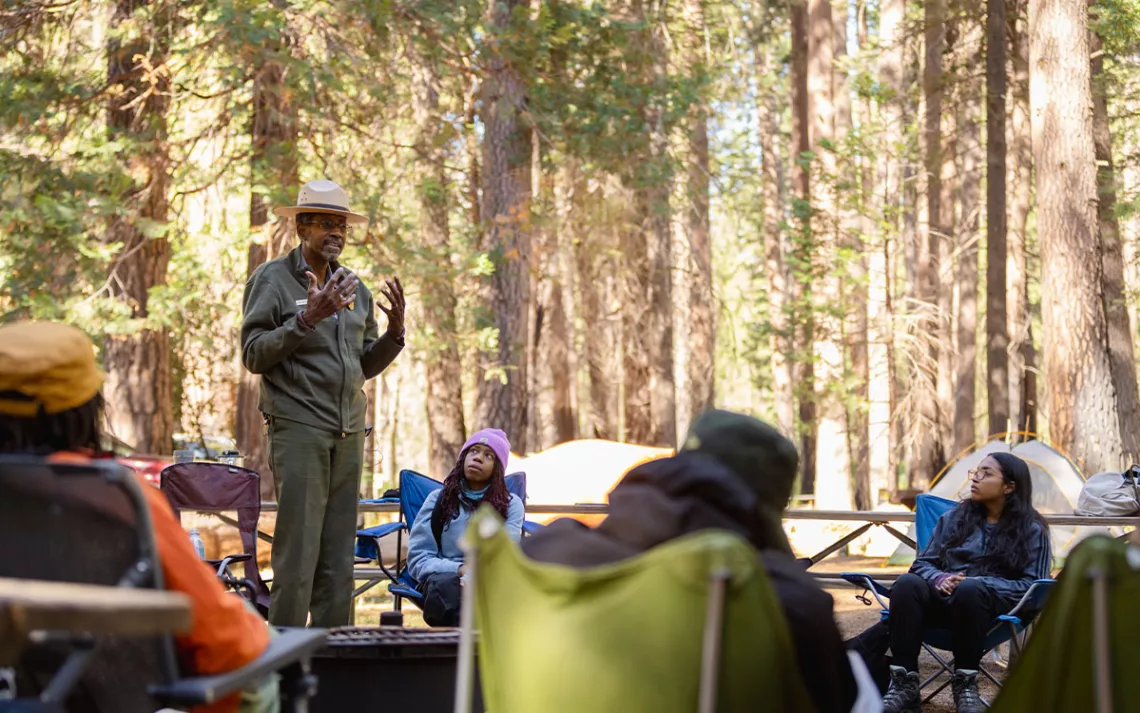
<point x="710" y="646"/>
<point x="947" y="669"/>
<point x="399" y="603"/>
<point x="465" y="667"/>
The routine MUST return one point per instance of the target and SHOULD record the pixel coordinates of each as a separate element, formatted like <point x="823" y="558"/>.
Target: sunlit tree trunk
<point x="1121" y="357"/>
<point x="444" y="403"/>
<point x="1019" y="176"/>
<point x="1079" y="395"/>
<point x="773" y="159"/>
<point x="502" y="395"/>
<point x="997" y="332"/>
<point x="701" y="322"/>
<point x="891" y="193"/>
<point x="138" y="386"/>
<point x="273" y="133"/>
<point x="966" y="274"/>
<point x="926" y="459"/>
<point x="803" y="371"/>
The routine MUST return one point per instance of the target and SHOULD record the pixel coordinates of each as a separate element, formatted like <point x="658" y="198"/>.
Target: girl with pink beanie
<point x="435" y="559"/>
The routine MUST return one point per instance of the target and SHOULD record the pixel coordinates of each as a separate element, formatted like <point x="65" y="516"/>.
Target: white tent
<point x="1056" y="481"/>
<point x="579" y="471"/>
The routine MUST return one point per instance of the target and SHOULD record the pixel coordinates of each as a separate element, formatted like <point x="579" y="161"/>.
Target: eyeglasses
<point x="979" y="474"/>
<point x="326" y="224"/>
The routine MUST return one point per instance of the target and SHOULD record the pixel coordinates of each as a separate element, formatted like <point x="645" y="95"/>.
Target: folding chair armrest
<point x="381" y="530"/>
<point x="865" y="580"/>
<point x="529" y="528"/>
<point x="1010" y="619"/>
<point x="289" y="647"/>
<point x="229" y="559"/>
<point x="1034" y="597"/>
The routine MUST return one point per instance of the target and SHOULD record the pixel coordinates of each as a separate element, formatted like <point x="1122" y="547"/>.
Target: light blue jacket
<point x="424" y="558"/>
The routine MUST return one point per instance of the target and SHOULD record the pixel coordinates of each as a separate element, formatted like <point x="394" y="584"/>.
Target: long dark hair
<point x="452" y="498"/>
<point x="1006" y="552"/>
<point x="77" y="429"/>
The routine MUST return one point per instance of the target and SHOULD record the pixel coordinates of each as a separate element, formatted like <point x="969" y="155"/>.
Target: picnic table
<point x="29" y="608"/>
<point x="863" y="520"/>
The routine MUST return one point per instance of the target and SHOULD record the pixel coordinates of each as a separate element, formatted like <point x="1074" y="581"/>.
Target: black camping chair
<point x="90" y="524"/>
<point x="218" y="487"/>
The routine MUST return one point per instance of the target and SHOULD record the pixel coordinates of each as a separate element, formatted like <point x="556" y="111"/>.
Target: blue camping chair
<point x="1009" y="627"/>
<point x="414" y="490"/>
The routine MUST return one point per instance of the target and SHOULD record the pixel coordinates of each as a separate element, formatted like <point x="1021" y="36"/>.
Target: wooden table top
<point x="28" y="605"/>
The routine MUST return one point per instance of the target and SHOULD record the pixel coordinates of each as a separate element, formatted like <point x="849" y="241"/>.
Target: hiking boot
<point x="903" y="695"/>
<point x="966" y="697"/>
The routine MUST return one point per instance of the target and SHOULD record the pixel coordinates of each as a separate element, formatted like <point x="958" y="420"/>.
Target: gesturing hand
<point x="326" y="301"/>
<point x="949" y="584"/>
<point x="394" y="292"/>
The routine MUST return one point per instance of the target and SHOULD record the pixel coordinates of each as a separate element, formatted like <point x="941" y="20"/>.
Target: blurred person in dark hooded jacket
<point x="735" y="473"/>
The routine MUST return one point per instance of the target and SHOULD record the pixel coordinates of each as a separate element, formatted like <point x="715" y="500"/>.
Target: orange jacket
<point x="224" y="634"/>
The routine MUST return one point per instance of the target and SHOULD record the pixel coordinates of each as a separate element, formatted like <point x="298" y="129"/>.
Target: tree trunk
<point x="702" y="318"/>
<point x="1080" y="399"/>
<point x="647" y="312"/>
<point x="273" y="133"/>
<point x="803" y="324"/>
<point x="891" y="188"/>
<point x="598" y="344"/>
<point x="969" y="180"/>
<point x="772" y="164"/>
<point x="502" y="398"/>
<point x="926" y="460"/>
<point x="946" y="234"/>
<point x="138" y="386"/>
<point x="445" y="423"/>
<point x="862" y="226"/>
<point x="1019" y="174"/>
<point x="1121" y="357"/>
<point x="997" y="332"/>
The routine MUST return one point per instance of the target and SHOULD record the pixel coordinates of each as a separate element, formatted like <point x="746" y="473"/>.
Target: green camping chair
<point x="692" y="625"/>
<point x="1082" y="655"/>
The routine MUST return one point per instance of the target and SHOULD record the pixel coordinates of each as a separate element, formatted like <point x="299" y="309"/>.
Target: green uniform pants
<point x="317" y="476"/>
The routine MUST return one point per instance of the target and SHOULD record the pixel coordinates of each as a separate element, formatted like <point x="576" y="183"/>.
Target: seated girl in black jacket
<point x="982" y="558"/>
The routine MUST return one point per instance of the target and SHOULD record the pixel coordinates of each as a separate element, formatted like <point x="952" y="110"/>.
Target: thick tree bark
<point x="702" y="317"/>
<point x="138" y="386"/>
<point x="502" y="397"/>
<point x="1019" y="176"/>
<point x="1121" y="356"/>
<point x="273" y="133"/>
<point x="997" y="332"/>
<point x="1080" y="399"/>
<point x="446" y="427"/>
<point x="966" y="274"/>
<point x="803" y="320"/>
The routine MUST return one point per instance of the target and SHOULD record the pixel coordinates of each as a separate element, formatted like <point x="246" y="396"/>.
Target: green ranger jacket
<point x="313" y="376"/>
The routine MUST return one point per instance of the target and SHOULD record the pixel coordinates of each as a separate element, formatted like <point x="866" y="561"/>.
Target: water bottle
<point x="196" y="541"/>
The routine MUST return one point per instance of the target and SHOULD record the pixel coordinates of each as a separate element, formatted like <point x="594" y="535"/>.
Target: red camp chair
<point x="217" y="487"/>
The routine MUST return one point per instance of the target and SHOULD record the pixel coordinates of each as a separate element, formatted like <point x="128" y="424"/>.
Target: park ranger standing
<point x="309" y="329"/>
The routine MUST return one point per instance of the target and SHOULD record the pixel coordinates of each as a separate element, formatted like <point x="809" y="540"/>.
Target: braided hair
<point x="452" y="497"/>
<point x="76" y="429"/>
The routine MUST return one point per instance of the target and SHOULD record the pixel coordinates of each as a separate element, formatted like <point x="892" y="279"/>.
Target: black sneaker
<point x="903" y="695"/>
<point x="966" y="697"/>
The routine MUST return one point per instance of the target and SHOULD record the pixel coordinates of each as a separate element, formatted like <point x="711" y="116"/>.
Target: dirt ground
<point x="851" y="615"/>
